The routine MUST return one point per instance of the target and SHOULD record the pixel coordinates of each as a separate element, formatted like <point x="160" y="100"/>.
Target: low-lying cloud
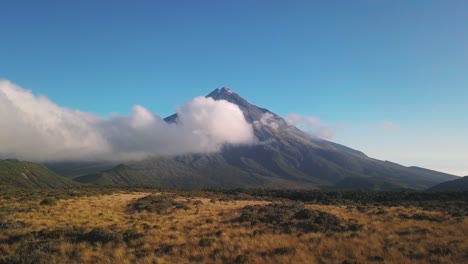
<point x="269" y="120"/>
<point x="311" y="125"/>
<point x="35" y="128"/>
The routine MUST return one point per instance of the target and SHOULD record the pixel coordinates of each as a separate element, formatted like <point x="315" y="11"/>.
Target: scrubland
<point x="149" y="226"/>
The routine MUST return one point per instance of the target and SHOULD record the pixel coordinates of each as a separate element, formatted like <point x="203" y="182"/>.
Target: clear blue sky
<point x="357" y="65"/>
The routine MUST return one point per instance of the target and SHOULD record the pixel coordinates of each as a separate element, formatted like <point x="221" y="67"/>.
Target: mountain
<point x="119" y="175"/>
<point x="460" y="184"/>
<point x="24" y="174"/>
<point x="286" y="158"/>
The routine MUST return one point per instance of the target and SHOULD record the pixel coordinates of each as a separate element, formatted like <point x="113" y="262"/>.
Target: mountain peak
<point x="251" y="112"/>
<point x="221" y="93"/>
<point x="226" y="90"/>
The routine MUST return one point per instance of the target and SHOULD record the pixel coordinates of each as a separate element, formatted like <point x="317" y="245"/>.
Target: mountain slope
<point x="363" y="183"/>
<point x="120" y="175"/>
<point x="79" y="168"/>
<point x="24" y="174"/>
<point x="460" y="184"/>
<point x="287" y="158"/>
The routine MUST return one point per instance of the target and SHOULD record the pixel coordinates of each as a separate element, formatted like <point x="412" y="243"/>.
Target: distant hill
<point x="24" y="174"/>
<point x="363" y="183"/>
<point x="460" y="184"/>
<point x="72" y="169"/>
<point x="120" y="175"/>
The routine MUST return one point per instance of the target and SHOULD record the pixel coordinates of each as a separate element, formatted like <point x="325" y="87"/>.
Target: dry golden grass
<point x="87" y="211"/>
<point x="176" y="237"/>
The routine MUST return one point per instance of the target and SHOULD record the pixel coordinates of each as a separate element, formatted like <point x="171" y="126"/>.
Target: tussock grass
<point x="142" y="226"/>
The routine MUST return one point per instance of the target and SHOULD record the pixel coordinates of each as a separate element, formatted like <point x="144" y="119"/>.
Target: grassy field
<point x="146" y="226"/>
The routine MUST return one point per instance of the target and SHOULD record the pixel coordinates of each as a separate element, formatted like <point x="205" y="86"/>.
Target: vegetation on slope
<point x="366" y="183"/>
<point x="73" y="169"/>
<point x="460" y="184"/>
<point x="120" y="175"/>
<point x="26" y="174"/>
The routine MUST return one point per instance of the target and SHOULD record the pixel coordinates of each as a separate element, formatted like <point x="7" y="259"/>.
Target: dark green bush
<point x="102" y="235"/>
<point x="282" y="251"/>
<point x="355" y="227"/>
<point x="161" y="204"/>
<point x="286" y="218"/>
<point x="241" y="259"/>
<point x="48" y="201"/>
<point x="304" y="214"/>
<point x="164" y="250"/>
<point x="205" y="242"/>
<point x="197" y="202"/>
<point x="427" y="218"/>
<point x="131" y="234"/>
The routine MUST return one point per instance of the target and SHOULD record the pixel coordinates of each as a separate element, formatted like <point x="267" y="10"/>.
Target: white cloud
<point x="35" y="128"/>
<point x="268" y="119"/>
<point x="311" y="125"/>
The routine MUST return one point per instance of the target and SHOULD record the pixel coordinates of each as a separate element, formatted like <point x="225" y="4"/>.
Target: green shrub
<point x="131" y="234"/>
<point x="282" y="251"/>
<point x="286" y="218"/>
<point x="427" y="218"/>
<point x="164" y="250"/>
<point x="48" y="201"/>
<point x="161" y="204"/>
<point x="304" y="214"/>
<point x="197" y="202"/>
<point x="205" y="242"/>
<point x="102" y="235"/>
<point x="241" y="259"/>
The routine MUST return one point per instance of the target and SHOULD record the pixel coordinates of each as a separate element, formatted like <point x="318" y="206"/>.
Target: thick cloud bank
<point x="35" y="128"/>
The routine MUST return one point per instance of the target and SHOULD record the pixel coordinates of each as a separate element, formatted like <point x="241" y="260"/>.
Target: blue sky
<point x="390" y="77"/>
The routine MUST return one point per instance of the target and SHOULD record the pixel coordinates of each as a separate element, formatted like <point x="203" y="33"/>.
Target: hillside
<point x="24" y="174"/>
<point x="362" y="183"/>
<point x="72" y="169"/>
<point x="120" y="175"/>
<point x="460" y="184"/>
